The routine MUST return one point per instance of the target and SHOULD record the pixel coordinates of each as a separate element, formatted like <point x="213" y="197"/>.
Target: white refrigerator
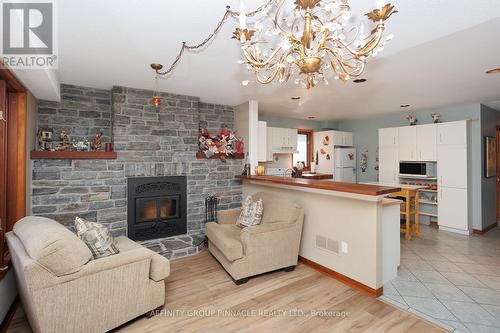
<point x="330" y="159"/>
<point x="345" y="165"/>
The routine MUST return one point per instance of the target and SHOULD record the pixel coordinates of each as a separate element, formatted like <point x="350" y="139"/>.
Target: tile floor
<point x="451" y="280"/>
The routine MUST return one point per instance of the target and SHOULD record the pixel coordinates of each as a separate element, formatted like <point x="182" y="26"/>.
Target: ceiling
<point x="438" y="57"/>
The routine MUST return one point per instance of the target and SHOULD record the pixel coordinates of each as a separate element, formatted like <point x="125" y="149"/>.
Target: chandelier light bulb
<point x="243" y="17"/>
<point x="245" y="83"/>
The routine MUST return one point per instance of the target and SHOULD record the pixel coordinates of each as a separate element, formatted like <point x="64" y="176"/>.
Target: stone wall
<point x="149" y="143"/>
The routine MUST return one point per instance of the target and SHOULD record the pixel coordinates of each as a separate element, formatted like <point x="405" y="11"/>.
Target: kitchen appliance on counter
<point x="417" y="169"/>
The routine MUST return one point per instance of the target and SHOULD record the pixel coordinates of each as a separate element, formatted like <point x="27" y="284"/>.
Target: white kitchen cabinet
<point x="452" y="133"/>
<point x="388" y="137"/>
<point x="426" y="142"/>
<point x="408" y="143"/>
<point x="269" y="144"/>
<point x="340" y="138"/>
<point x="453" y="210"/>
<point x="262" y="142"/>
<point x="388" y="164"/>
<point x="452" y="166"/>
<point x="284" y="140"/>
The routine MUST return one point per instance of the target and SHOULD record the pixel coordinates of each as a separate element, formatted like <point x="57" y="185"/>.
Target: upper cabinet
<point x="416" y="143"/>
<point x="283" y="140"/>
<point x="342" y="138"/>
<point x="408" y="143"/>
<point x="426" y="142"/>
<point x="452" y="133"/>
<point x="388" y="137"/>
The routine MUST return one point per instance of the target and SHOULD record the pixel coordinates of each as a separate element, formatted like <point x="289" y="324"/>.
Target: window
<point x="305" y="148"/>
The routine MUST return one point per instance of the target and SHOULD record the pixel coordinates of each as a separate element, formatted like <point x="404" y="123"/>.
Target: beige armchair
<point x="63" y="290"/>
<point x="272" y="245"/>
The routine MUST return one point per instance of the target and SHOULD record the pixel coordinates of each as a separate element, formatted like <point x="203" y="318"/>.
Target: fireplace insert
<point x="156" y="207"/>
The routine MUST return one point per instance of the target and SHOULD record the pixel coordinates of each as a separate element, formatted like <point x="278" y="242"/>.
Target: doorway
<point x="498" y="173"/>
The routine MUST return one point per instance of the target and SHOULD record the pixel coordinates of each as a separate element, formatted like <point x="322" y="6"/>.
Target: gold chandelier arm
<point x="370" y="45"/>
<point x="259" y="63"/>
<point x="345" y="66"/>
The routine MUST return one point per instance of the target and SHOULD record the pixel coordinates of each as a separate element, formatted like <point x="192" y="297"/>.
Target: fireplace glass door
<point x="157" y="209"/>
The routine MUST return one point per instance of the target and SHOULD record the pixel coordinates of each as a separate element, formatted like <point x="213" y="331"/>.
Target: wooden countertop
<point x="372" y="190"/>
<point x="316" y="176"/>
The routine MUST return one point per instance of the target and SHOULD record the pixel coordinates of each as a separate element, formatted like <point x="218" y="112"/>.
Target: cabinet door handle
<point x="394" y="140"/>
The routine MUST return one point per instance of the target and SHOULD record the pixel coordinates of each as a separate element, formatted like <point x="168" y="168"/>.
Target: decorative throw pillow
<point x="251" y="212"/>
<point x="97" y="237"/>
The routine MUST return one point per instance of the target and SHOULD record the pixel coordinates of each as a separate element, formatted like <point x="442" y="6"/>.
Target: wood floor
<point x="276" y="302"/>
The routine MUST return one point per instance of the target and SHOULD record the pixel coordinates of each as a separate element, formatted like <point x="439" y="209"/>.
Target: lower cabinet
<point x="452" y="209"/>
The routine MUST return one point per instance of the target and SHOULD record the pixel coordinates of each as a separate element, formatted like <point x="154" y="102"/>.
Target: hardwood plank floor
<point x="275" y="302"/>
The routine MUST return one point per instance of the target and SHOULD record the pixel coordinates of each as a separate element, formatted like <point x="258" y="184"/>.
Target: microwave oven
<point x="417" y="169"/>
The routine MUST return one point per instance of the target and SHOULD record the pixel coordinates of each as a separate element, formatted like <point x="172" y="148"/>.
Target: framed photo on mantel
<point x="490" y="163"/>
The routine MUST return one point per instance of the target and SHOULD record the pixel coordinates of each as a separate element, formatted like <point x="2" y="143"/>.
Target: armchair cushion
<point x="52" y="245"/>
<point x="228" y="216"/>
<point x="226" y="237"/>
<point x="276" y="209"/>
<point x="160" y="266"/>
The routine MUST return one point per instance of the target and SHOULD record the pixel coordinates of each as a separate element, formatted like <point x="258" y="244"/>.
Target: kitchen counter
<point x="362" y="189"/>
<point x="357" y="222"/>
<point x="318" y="176"/>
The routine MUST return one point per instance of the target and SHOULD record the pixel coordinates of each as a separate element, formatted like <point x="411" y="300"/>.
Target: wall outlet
<point x="344" y="247"/>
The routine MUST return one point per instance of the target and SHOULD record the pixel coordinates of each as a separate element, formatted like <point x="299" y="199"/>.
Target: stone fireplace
<point x="149" y="143"/>
<point x="156" y="207"/>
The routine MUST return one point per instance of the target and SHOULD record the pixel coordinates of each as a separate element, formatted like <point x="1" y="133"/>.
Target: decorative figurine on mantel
<point x="82" y="145"/>
<point x="96" y="142"/>
<point x="64" y="145"/>
<point x="412" y="119"/>
<point x="435" y="117"/>
<point x="44" y="139"/>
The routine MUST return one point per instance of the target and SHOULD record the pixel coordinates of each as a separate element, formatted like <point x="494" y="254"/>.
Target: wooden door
<point x="3" y="168"/>
<point x="408" y="143"/>
<point x="498" y="173"/>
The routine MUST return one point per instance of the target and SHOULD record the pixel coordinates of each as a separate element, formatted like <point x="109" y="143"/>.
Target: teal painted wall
<point x="365" y="133"/>
<point x="490" y="119"/>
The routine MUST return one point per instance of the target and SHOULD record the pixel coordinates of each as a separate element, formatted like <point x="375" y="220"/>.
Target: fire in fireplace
<point x="156" y="207"/>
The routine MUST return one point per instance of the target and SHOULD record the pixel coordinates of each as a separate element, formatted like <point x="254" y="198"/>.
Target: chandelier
<point x="306" y="39"/>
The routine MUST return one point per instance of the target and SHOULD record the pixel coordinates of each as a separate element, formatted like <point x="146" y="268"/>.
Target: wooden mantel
<point x="73" y="155"/>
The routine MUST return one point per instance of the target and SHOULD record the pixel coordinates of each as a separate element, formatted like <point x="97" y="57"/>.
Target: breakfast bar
<point x="351" y="231"/>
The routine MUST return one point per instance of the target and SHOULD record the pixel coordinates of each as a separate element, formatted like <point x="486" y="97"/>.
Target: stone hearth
<point x="148" y="143"/>
<point x="177" y="246"/>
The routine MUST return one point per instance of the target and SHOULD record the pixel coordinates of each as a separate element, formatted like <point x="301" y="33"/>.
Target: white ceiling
<point x="441" y="51"/>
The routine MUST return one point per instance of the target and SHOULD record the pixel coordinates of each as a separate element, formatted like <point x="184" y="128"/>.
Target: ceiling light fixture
<point x="295" y="98"/>
<point x="359" y="81"/>
<point x="307" y="38"/>
<point x="405" y="106"/>
<point x="493" y="71"/>
<point x="156" y="100"/>
<point x="311" y="118"/>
